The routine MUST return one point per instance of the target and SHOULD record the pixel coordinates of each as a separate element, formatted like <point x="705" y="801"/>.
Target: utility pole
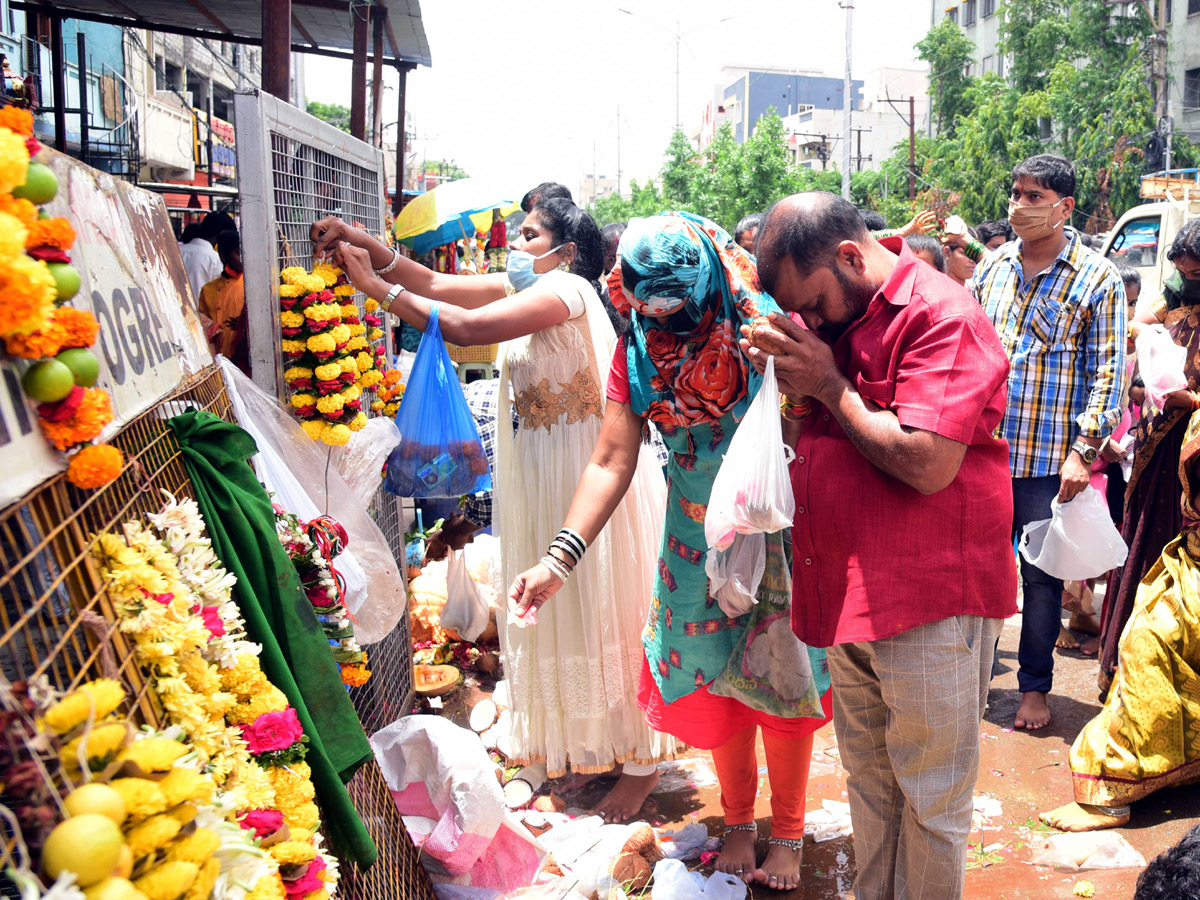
<point x="678" y="41"/>
<point x="847" y="105"/>
<point x="858" y="159"/>
<point x="912" y="149"/>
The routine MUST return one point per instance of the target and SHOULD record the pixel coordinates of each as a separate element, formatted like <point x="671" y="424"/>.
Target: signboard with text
<point x="134" y="282"/>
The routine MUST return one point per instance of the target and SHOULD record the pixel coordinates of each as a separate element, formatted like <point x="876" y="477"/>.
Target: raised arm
<point x="467" y="291"/>
<point x="604" y="482"/>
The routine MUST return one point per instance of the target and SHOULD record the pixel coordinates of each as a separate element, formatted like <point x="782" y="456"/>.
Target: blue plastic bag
<point x="440" y="454"/>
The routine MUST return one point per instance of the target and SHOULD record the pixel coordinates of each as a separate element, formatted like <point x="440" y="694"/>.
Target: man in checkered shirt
<point x="1059" y="309"/>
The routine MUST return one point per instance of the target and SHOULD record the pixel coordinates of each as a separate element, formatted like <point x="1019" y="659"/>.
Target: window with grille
<point x="1193" y="7"/>
<point x="989" y="8"/>
<point x="968" y="12"/>
<point x="952" y="15"/>
<point x="1191" y="89"/>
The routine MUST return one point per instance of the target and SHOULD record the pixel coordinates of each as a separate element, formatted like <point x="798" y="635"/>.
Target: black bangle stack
<point x="571" y="543"/>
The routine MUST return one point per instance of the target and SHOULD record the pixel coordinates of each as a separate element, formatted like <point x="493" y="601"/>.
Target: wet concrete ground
<point x="1027" y="772"/>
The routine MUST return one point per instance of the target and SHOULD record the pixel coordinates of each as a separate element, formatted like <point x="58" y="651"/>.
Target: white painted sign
<point x="134" y="282"/>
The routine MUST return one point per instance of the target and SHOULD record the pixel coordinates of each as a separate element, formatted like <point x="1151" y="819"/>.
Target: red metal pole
<point x="358" y="76"/>
<point x="377" y="78"/>
<point x="277" y="48"/>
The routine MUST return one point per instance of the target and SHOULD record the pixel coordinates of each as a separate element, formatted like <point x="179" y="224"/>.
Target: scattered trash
<point x="687" y="843"/>
<point x="680" y="775"/>
<point x="986" y="809"/>
<point x="1087" y="850"/>
<point x="830" y="822"/>
<point x="673" y="881"/>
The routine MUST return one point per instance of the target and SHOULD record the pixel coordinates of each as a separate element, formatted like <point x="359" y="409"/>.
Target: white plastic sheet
<point x="466" y="610"/>
<point x="1087" y="850"/>
<point x="361" y="461"/>
<point x="296" y="469"/>
<point x="752" y="492"/>
<point x="1078" y="541"/>
<point x="673" y="881"/>
<point x="1161" y="363"/>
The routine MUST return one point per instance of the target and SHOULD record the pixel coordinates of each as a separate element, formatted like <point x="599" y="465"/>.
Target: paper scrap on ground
<point x="1087" y="850"/>
<point x="830" y="822"/>
<point x="680" y="775"/>
<point x="986" y="809"/>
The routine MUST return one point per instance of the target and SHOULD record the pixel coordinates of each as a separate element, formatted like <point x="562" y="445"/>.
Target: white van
<point x="1143" y="235"/>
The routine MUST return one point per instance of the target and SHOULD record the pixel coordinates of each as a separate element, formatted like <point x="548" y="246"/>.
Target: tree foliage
<point x="335" y="114"/>
<point x="948" y="52"/>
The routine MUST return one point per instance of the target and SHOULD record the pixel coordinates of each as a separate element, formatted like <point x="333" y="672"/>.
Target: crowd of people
<point x="962" y="380"/>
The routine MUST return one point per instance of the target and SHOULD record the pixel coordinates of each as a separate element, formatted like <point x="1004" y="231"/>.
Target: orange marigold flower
<point x="37" y="344"/>
<point x="95" y="466"/>
<point x="56" y="232"/>
<point x="27" y="293"/>
<point x="89" y="420"/>
<point x="79" y="326"/>
<point x="16" y="119"/>
<point x="355" y="675"/>
<point x="20" y="208"/>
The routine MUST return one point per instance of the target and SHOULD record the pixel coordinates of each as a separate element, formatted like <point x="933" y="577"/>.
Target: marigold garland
<point x="79" y="325"/>
<point x="95" y="466"/>
<point x="27" y="292"/>
<point x="37" y="344"/>
<point x="93" y="413"/>
<point x="54" y="232"/>
<point x="17" y="119"/>
<point x="14" y="160"/>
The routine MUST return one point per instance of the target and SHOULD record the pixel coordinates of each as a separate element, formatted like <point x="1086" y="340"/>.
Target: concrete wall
<point x="756" y="91"/>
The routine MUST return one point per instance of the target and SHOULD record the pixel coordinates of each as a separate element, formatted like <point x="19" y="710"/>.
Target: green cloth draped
<point x="296" y="655"/>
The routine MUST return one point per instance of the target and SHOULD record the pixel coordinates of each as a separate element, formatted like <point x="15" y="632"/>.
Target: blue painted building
<point x="751" y="92"/>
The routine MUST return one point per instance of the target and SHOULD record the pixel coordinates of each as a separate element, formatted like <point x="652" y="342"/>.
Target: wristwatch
<point x="396" y="290"/>
<point x="1086" y="450"/>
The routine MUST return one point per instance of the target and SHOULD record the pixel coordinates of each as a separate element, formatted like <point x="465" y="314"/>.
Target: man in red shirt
<point x="903" y="565"/>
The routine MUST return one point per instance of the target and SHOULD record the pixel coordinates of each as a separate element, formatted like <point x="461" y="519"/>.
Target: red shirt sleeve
<point x="618" y="375"/>
<point x="948" y="378"/>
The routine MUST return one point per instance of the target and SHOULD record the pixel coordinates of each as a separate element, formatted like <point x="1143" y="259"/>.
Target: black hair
<point x="1174" y="874"/>
<point x="1130" y="275"/>
<point x="873" y="220"/>
<point x="214" y="223"/>
<point x="810" y="238"/>
<point x="190" y="233"/>
<point x="1055" y="173"/>
<point x="997" y="228"/>
<point x="752" y="222"/>
<point x="568" y="223"/>
<point x="924" y="243"/>
<point x="612" y="231"/>
<point x="547" y="190"/>
<point x="1186" y="243"/>
<point x="228" y="241"/>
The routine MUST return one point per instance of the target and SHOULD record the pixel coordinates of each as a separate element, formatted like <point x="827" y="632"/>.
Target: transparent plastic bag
<point x="735" y="573"/>
<point x="361" y="461"/>
<point x="752" y="491"/>
<point x="1078" y="541"/>
<point x="466" y="611"/>
<point x="1161" y="363"/>
<point x="440" y="454"/>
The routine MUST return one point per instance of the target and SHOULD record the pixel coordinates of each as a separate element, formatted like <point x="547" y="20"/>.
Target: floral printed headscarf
<point x="687" y="369"/>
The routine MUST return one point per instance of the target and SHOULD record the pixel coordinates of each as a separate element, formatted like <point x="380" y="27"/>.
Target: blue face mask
<point x="520" y="267"/>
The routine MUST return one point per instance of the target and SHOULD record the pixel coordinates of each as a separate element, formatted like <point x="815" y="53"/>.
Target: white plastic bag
<point x="752" y="492"/>
<point x="361" y="461"/>
<point x="1161" y="363"/>
<point x="1088" y="850"/>
<point x="1077" y="542"/>
<point x="673" y="881"/>
<point x="466" y="611"/>
<point x="735" y="573"/>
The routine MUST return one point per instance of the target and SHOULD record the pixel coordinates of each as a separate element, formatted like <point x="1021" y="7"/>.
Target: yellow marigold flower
<point x="322" y="894"/>
<point x="344" y="290"/>
<point x="142" y="797"/>
<point x="186" y="785"/>
<point x="300" y="834"/>
<point x="371" y="305"/>
<point x="340" y="333"/>
<point x="196" y="847"/>
<point x="357" y="343"/>
<point x="154" y="754"/>
<point x="327" y="273"/>
<point x="292" y="275"/>
<point x="300" y="399"/>
<point x="376" y="334"/>
<point x="96" y="698"/>
<point x="306" y="816"/>
<point x="14" y="161"/>
<point x="336" y="435"/>
<point x="391" y="409"/>
<point x="356" y="330"/>
<point x="168" y="881"/>
<point x="1082" y="889"/>
<point x="291" y="290"/>
<point x="291" y="346"/>
<point x="349" y="365"/>
<point x="314" y="428"/>
<point x="330" y="404"/>
<point x="291" y="319"/>
<point x="323" y="343"/>
<point x="323" y="312"/>
<point x="245" y="677"/>
<point x="358" y="423"/>
<point x="184" y="813"/>
<point x="377" y="406"/>
<point x="267" y="699"/>
<point x="269" y="887"/>
<point x="102" y="746"/>
<point x="328" y="371"/>
<point x="364" y="361"/>
<point x="351" y="393"/>
<point x="153" y="834"/>
<point x="293" y="373"/>
<point x="293" y="853"/>
<point x="349" y="310"/>
<point x="12" y="235"/>
<point x="202" y="887"/>
<point x="369" y="379"/>
<point x="313" y="284"/>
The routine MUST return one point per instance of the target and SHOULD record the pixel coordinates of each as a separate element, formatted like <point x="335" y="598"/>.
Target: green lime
<point x="66" y="278"/>
<point x="83" y="365"/>
<point x="41" y="185"/>
<point x="48" y="381"/>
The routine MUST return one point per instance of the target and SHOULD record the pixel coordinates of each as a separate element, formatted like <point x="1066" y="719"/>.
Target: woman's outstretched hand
<point x="356" y="263"/>
<point x="331" y="231"/>
<point x="532" y="588"/>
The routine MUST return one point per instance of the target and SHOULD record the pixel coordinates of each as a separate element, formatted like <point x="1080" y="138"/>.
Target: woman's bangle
<point x="565" y="558"/>
<point x="391" y="265"/>
<point x="572" y="541"/>
<point x="795" y="412"/>
<point x="566" y="549"/>
<point x="556" y="568"/>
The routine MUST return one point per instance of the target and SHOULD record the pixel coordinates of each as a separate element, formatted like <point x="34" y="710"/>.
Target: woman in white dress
<point x="573" y="676"/>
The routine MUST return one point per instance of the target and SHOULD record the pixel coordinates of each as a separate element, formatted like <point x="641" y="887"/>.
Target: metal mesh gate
<point x="294" y="169"/>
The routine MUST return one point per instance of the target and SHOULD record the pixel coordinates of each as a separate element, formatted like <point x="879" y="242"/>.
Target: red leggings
<point x="788" y="760"/>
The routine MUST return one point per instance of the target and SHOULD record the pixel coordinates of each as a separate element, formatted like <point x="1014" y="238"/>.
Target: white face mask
<point x="520" y="267"/>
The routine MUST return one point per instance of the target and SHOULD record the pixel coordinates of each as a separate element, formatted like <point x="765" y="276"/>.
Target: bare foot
<point x="737" y="856"/>
<point x="577" y="781"/>
<point x="1034" y="711"/>
<point x="1066" y="640"/>
<point x="780" y="871"/>
<point x="1081" y="817"/>
<point x="1084" y="622"/>
<point x="1090" y="647"/>
<point x="627" y="796"/>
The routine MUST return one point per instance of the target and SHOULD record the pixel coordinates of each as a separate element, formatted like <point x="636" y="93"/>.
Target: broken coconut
<point x="483" y="716"/>
<point x="517" y="794"/>
<point x="632" y="871"/>
<point x="643" y="842"/>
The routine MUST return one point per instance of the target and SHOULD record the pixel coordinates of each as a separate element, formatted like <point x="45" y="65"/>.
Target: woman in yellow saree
<point x="1147" y="736"/>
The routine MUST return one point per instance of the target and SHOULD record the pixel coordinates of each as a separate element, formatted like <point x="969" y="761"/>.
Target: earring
<point x="564" y="267"/>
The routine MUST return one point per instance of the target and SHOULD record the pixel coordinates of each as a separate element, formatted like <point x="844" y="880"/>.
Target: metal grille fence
<point x="293" y="170"/>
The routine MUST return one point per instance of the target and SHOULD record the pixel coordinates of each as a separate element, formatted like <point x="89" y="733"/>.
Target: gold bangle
<point x="796" y="412"/>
